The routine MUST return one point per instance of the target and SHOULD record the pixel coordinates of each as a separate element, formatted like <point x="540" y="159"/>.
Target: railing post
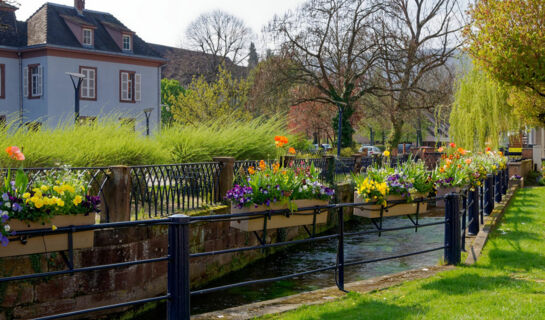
<point x="453" y="229"/>
<point x="505" y="181"/>
<point x="226" y="176"/>
<point x="178" y="268"/>
<point x="330" y="169"/>
<point x="117" y="195"/>
<point x="473" y="214"/>
<point x="488" y="194"/>
<point x="357" y="162"/>
<point x="497" y="187"/>
<point x="340" y="250"/>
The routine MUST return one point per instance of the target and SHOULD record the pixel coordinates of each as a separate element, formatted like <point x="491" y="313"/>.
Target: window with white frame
<point x="130" y="86"/>
<point x="88" y="37"/>
<point x="89" y="83"/>
<point x="33" y="81"/>
<point x="127" y="42"/>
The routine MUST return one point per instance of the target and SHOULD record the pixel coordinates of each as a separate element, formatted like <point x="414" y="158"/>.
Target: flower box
<point x="400" y="209"/>
<point x="280" y="221"/>
<point x="443" y="191"/>
<point x="49" y="243"/>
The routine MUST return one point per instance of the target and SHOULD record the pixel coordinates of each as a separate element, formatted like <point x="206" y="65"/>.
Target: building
<point x="122" y="72"/>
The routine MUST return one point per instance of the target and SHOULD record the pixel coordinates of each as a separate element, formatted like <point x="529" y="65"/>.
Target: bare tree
<point x="419" y="38"/>
<point x="333" y="47"/>
<point x="221" y="35"/>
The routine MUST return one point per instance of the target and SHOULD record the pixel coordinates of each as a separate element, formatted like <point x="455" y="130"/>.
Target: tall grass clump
<point x="102" y="143"/>
<point x="106" y="142"/>
<point x="242" y="140"/>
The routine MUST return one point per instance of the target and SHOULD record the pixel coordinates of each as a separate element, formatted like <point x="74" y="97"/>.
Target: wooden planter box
<point x="441" y="192"/>
<point x="49" y="243"/>
<point x="280" y="221"/>
<point x="401" y="209"/>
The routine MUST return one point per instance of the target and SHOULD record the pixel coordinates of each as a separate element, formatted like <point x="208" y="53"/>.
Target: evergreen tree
<point x="253" y="60"/>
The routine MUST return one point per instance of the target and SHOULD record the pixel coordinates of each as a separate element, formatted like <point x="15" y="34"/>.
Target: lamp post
<point x="77" y="79"/>
<point x="147" y="112"/>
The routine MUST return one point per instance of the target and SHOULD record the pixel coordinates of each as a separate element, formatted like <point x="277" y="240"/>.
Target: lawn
<point x="508" y="281"/>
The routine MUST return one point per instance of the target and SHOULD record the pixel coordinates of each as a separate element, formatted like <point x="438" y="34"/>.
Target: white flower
<point x="7" y="227"/>
<point x="7" y="204"/>
<point x="305" y="187"/>
<point x="5" y="213"/>
<point x="300" y="190"/>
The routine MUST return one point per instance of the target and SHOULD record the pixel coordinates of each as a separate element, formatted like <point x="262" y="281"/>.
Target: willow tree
<point x="481" y="115"/>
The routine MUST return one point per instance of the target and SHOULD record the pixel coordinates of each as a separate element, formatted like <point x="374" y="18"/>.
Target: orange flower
<point x="15" y="153"/>
<point x="280" y="141"/>
<point x="275" y="167"/>
<point x="442" y="170"/>
<point x="291" y="150"/>
<point x="441" y="149"/>
<point x="468" y="161"/>
<point x="251" y="170"/>
<point x="453" y="145"/>
<point x="461" y="151"/>
<point x="500" y="153"/>
<point x="262" y="165"/>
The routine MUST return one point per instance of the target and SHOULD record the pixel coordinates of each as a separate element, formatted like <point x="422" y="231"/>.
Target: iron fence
<point x="160" y="190"/>
<point x="459" y="209"/>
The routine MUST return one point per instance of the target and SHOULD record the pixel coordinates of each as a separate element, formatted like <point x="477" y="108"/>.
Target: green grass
<point x="508" y="281"/>
<point x="108" y="143"/>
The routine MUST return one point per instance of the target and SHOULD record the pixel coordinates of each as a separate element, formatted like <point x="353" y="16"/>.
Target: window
<point x="2" y="81"/>
<point x="127" y="42"/>
<point x="89" y="83"/>
<point x="33" y="81"/>
<point x="87" y="37"/>
<point x="87" y="120"/>
<point x="130" y="86"/>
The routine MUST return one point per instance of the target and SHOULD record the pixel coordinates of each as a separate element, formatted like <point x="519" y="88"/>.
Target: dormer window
<point x="127" y="42"/>
<point x="87" y="37"/>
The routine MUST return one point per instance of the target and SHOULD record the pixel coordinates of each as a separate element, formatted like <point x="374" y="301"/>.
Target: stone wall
<point x="520" y="168"/>
<point x="32" y="298"/>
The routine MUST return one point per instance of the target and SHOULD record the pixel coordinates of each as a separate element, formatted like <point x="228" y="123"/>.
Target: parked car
<point x="326" y="146"/>
<point x="371" y="150"/>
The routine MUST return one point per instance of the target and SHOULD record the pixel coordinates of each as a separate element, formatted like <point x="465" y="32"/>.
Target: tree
<point x="204" y="101"/>
<point x="171" y="91"/>
<point x="507" y="39"/>
<point x="270" y="94"/>
<point x="253" y="59"/>
<point x="481" y="115"/>
<point x="221" y="35"/>
<point x="333" y="47"/>
<point x="418" y="38"/>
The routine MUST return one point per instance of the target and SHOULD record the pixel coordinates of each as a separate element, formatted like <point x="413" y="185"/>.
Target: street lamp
<point x="147" y="112"/>
<point x="76" y="78"/>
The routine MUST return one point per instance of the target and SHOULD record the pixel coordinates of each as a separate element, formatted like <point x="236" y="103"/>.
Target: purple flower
<point x="17" y="207"/>
<point x="5" y="197"/>
<point x="4" y="240"/>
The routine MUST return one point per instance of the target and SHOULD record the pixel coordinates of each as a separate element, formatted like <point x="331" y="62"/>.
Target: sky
<point x="164" y="21"/>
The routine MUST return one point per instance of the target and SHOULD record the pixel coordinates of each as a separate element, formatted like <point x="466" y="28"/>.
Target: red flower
<point x="453" y="145"/>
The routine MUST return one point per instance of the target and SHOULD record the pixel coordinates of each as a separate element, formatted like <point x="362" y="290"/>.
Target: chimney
<point x="80" y="6"/>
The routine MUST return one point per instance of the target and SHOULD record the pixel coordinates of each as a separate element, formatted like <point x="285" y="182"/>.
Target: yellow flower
<point x="26" y="195"/>
<point x="57" y="189"/>
<point x="77" y="200"/>
<point x="60" y="203"/>
<point x="53" y="227"/>
<point x="386" y="153"/>
<point x="44" y="188"/>
<point x="38" y="203"/>
<point x="36" y="190"/>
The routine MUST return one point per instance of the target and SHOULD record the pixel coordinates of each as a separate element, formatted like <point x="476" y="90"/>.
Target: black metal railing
<point x="460" y="210"/>
<point x="161" y="190"/>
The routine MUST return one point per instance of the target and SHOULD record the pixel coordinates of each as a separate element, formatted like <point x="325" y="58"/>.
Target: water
<point x="306" y="257"/>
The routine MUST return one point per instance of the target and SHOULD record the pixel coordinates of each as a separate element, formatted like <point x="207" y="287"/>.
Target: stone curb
<point x="284" y="304"/>
<point x="490" y="223"/>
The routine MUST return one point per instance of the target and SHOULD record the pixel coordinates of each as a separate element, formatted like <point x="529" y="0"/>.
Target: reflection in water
<point x="305" y="257"/>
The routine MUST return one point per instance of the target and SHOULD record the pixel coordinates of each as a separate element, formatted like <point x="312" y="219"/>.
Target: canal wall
<point x="58" y="294"/>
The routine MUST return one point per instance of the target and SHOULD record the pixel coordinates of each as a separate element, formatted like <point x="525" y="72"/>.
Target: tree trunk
<point x="395" y="135"/>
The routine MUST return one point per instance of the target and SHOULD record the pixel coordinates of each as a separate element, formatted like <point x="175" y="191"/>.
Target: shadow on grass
<point x="367" y="309"/>
<point x="468" y="283"/>
<point x="515" y="259"/>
